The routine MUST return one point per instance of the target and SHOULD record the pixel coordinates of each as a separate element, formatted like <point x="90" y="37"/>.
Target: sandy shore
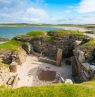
<point x="78" y="29"/>
<point x="72" y="28"/>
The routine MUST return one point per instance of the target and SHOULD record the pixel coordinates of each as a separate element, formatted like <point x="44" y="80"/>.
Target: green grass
<point x="89" y="46"/>
<point x="37" y="33"/>
<point x="62" y="33"/>
<point x="49" y="35"/>
<point x="58" y="90"/>
<point x="65" y="32"/>
<point x="10" y="45"/>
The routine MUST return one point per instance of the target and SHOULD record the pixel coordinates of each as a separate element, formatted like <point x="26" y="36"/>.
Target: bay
<point x="10" y="32"/>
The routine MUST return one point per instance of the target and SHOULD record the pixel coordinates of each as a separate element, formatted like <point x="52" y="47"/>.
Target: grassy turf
<point x="10" y="45"/>
<point x="37" y="33"/>
<point x="89" y="46"/>
<point x="58" y="90"/>
<point x="65" y="33"/>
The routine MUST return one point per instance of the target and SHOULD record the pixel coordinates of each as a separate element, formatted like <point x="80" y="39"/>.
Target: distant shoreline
<point x="52" y="26"/>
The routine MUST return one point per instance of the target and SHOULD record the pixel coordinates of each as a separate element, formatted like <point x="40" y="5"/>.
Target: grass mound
<point x="10" y="45"/>
<point x="37" y="33"/>
<point x="63" y="33"/>
<point x="89" y="46"/>
<point x="58" y="90"/>
<point x="49" y="35"/>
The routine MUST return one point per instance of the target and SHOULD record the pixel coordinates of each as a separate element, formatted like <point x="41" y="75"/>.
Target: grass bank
<point x="12" y="45"/>
<point x="58" y="90"/>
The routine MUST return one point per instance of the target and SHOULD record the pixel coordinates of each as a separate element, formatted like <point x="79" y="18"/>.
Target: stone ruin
<point x="53" y="52"/>
<point x="81" y="68"/>
<point x="12" y="60"/>
<point x="65" y="47"/>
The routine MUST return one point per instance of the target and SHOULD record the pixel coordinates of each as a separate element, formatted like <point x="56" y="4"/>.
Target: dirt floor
<point x="33" y="72"/>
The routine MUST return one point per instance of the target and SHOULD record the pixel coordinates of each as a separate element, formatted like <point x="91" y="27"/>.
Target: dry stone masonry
<point x="59" y="48"/>
<point x="80" y="66"/>
<point x="52" y="51"/>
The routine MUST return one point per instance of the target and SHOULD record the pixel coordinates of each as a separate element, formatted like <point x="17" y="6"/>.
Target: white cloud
<point x="13" y="10"/>
<point x="37" y="12"/>
<point x="86" y="6"/>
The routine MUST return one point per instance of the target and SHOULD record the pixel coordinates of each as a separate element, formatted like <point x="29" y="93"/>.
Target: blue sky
<point x="47" y="11"/>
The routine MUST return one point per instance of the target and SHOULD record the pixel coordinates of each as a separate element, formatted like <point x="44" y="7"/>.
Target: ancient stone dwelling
<point x="65" y="47"/>
<point x="53" y="48"/>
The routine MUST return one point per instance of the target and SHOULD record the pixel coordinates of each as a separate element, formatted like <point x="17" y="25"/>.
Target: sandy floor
<point x="28" y="71"/>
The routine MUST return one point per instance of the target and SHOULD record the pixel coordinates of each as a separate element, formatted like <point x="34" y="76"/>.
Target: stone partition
<point x="59" y="57"/>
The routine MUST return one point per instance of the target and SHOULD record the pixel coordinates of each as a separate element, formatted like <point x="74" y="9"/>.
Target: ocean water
<point x="10" y="32"/>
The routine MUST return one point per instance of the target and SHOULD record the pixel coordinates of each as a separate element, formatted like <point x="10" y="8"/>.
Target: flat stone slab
<point x="46" y="75"/>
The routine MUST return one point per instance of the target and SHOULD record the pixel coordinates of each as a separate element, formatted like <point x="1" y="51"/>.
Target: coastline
<point x="62" y="27"/>
<point x="83" y="29"/>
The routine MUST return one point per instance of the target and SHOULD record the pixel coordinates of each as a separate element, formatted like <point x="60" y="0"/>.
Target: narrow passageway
<point x="33" y="72"/>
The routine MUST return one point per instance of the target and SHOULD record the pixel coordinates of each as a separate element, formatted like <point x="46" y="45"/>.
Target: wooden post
<point x="59" y="57"/>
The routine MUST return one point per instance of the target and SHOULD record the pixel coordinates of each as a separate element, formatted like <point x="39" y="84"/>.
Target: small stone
<point x="68" y="81"/>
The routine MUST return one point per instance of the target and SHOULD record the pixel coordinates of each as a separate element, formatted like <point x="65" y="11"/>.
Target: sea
<point x="10" y="32"/>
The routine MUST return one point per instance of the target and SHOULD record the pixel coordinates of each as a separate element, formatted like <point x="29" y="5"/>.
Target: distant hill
<point x="60" y="25"/>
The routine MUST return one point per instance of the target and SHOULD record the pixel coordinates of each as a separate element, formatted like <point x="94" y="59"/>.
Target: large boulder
<point x="21" y="57"/>
<point x="80" y="55"/>
<point x="27" y="47"/>
<point x="6" y="57"/>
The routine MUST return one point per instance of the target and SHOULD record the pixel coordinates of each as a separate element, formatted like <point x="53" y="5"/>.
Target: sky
<point x="47" y="11"/>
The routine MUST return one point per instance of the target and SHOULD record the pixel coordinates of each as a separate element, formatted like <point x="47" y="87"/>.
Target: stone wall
<point x="8" y="57"/>
<point x="80" y="67"/>
<point x="49" y="48"/>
